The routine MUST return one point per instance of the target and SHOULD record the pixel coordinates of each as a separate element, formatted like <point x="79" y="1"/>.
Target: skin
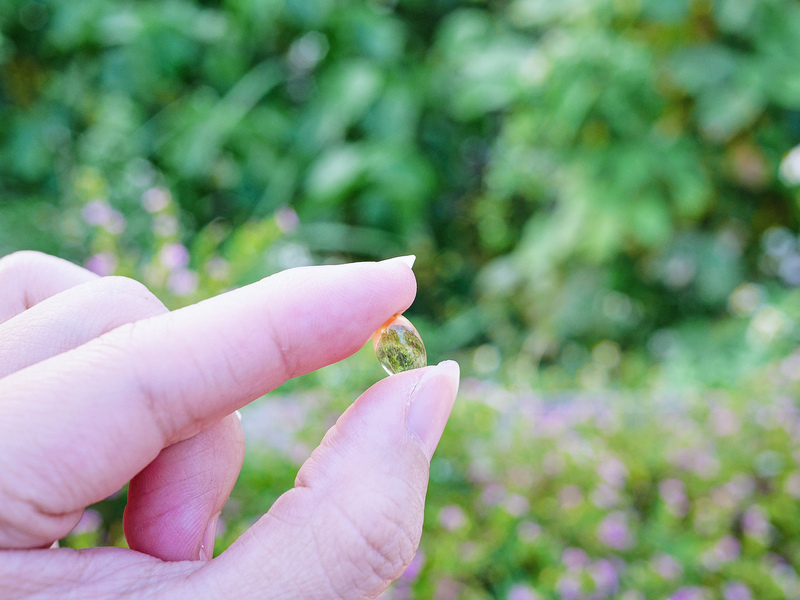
<point x="100" y="386"/>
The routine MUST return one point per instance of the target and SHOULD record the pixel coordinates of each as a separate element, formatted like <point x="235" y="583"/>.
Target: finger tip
<point x="431" y="403"/>
<point x="451" y="370"/>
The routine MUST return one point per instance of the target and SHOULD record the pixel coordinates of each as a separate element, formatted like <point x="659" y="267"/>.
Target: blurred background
<point x="603" y="199"/>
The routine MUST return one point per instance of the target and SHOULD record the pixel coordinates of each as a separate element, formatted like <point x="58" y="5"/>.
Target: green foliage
<point x="581" y="171"/>
<point x="597" y="191"/>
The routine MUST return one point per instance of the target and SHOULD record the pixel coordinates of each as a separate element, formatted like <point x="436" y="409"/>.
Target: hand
<point x="100" y="386"/>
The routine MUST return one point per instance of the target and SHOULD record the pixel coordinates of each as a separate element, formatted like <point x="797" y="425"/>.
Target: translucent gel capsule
<point x="398" y="346"/>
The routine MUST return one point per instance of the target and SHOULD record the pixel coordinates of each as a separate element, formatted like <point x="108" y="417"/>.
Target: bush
<point x="581" y="171"/>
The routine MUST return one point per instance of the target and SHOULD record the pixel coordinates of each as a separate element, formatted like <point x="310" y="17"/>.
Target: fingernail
<point x="207" y="545"/>
<point x="431" y="403"/>
<point x="407" y="260"/>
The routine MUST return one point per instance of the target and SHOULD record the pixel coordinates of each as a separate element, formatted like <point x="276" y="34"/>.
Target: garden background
<point x="603" y="199"/>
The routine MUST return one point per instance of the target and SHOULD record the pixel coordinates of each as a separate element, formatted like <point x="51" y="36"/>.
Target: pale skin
<point x="101" y="386"/>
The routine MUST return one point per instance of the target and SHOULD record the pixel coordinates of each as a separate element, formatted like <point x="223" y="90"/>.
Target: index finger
<point x="95" y="416"/>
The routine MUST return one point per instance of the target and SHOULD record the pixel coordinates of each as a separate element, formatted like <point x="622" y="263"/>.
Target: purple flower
<point x="116" y="223"/>
<point x="103" y="263"/>
<point x="728" y="548"/>
<point x="155" y="199"/>
<point x="97" y="212"/>
<point x="755" y="524"/>
<point x="689" y="593"/>
<point x="666" y="566"/>
<point x="604" y="576"/>
<point x="570" y="496"/>
<point x="724" y="421"/>
<point x="574" y="559"/>
<point x="736" y="590"/>
<point x="217" y="268"/>
<point x="613" y="472"/>
<point x="741" y="486"/>
<point x="605" y="496"/>
<point x="516" y="505"/>
<point x="452" y="517"/>
<point x="493" y="494"/>
<point x="520" y="591"/>
<point x="724" y="551"/>
<point x="569" y="587"/>
<point x="165" y="226"/>
<point x="182" y="282"/>
<point x="414" y="568"/>
<point x="286" y="219"/>
<point x="613" y="531"/>
<point x="447" y="589"/>
<point x="673" y="492"/>
<point x="89" y="523"/>
<point x="174" y="256"/>
<point x="528" y="531"/>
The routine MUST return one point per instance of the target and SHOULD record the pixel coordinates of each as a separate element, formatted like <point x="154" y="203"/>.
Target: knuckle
<point x="133" y="294"/>
<point x="117" y="349"/>
<point x="20" y="260"/>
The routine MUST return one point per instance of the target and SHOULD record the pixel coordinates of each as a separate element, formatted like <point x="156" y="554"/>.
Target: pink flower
<point x="97" y="212"/>
<point x="286" y="219"/>
<point x="414" y="568"/>
<point x="155" y="199"/>
<point x="755" y="524"/>
<point x="516" y="505"/>
<point x="724" y="551"/>
<point x="666" y="566"/>
<point x="218" y="268"/>
<point x="182" y="282"/>
<point x="116" y="223"/>
<point x="165" y="226"/>
<point x="570" y="496"/>
<point x="103" y="263"/>
<point x="521" y="591"/>
<point x="452" y="517"/>
<point x="574" y="559"/>
<point x="613" y="531"/>
<point x="493" y="494"/>
<point x="604" y="576"/>
<point x="89" y="523"/>
<point x="613" y="472"/>
<point x="673" y="492"/>
<point x="736" y="590"/>
<point x="174" y="256"/>
<point x="527" y="531"/>
<point x="605" y="496"/>
<point x="689" y="593"/>
<point x="569" y="587"/>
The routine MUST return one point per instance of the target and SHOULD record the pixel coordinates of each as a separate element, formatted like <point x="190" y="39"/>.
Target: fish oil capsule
<point x="398" y="346"/>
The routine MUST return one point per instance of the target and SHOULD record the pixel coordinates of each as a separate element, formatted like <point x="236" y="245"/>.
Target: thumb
<point x="353" y="521"/>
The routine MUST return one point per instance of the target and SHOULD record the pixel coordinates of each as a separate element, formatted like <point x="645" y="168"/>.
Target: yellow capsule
<point x="398" y="346"/>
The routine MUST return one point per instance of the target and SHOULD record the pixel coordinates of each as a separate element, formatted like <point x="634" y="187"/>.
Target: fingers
<point x="174" y="503"/>
<point x="352" y="523"/>
<point x="349" y="527"/>
<point x="162" y="380"/>
<point x="72" y="318"/>
<point x="27" y="278"/>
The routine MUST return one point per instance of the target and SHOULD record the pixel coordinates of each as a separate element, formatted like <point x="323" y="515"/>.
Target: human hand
<point x="100" y="385"/>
